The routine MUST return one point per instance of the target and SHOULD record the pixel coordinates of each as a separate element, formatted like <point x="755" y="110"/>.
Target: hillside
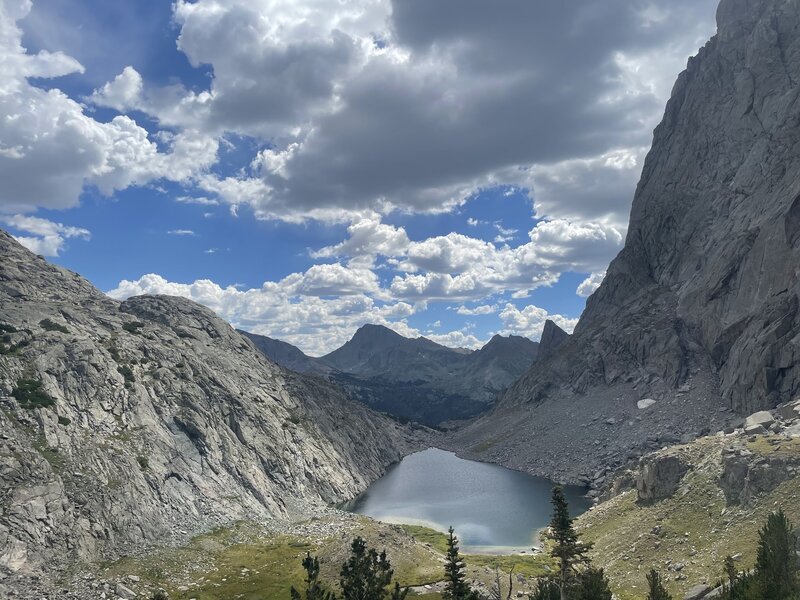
<point x="126" y="425"/>
<point x="413" y="378"/>
<point x="685" y="508"/>
<point x="699" y="312"/>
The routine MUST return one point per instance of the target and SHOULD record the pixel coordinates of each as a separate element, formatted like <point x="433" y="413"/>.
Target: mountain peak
<point x="552" y="337"/>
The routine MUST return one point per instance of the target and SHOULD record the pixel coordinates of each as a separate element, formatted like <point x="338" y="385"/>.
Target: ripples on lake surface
<point x="490" y="507"/>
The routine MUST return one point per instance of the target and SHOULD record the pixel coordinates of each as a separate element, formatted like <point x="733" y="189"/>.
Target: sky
<point x="449" y="168"/>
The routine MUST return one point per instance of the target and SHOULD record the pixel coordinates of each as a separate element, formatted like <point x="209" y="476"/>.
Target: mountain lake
<point x="492" y="509"/>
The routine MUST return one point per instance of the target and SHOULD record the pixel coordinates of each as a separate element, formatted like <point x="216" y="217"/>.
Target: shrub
<point x="6" y="328"/>
<point x="144" y="464"/>
<point x="64" y="420"/>
<point x="49" y="325"/>
<point x="127" y="373"/>
<point x="30" y="395"/>
<point x="132" y="326"/>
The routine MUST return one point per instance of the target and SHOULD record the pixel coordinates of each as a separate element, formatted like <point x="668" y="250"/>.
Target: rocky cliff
<point x="699" y="312"/>
<point x="124" y="425"/>
<point x="413" y="378"/>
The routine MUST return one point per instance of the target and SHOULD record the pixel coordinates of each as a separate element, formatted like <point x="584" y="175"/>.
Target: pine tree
<point x="566" y="547"/>
<point x="366" y="574"/>
<point x="546" y="589"/>
<point x="313" y="590"/>
<point x="397" y="593"/>
<point x="593" y="585"/>
<point x="656" y="589"/>
<point x="776" y="562"/>
<point x="456" y="587"/>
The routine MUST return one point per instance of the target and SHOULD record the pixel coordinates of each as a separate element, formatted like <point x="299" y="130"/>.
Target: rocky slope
<point x="124" y="425"/>
<point x="415" y="379"/>
<point x="699" y="312"/>
<point x="683" y="509"/>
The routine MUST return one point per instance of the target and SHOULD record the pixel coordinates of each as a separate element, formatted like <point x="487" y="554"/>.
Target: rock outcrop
<point x="700" y="310"/>
<point x="552" y="337"/>
<point x="659" y="476"/>
<point x="124" y="425"/>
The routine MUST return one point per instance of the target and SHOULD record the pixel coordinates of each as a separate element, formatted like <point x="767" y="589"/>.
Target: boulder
<point x="659" y="477"/>
<point x="715" y="593"/>
<point x="124" y="592"/>
<point x="762" y="418"/>
<point x="789" y="411"/>
<point x="645" y="403"/>
<point x="754" y="430"/>
<point x="697" y="592"/>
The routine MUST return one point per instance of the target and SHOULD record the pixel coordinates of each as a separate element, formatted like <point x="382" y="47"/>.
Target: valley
<point x="151" y="449"/>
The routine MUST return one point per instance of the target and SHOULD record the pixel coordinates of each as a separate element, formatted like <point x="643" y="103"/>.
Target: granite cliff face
<point x="699" y="312"/>
<point x="129" y="424"/>
<point x="413" y="378"/>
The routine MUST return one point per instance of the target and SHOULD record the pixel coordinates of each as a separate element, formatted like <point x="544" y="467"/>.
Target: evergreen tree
<point x="566" y="547"/>
<point x="366" y="574"/>
<point x="546" y="589"/>
<point x="593" y="585"/>
<point x="656" y="589"/>
<point x="456" y="587"/>
<point x="313" y="590"/>
<point x="397" y="593"/>
<point x="776" y="562"/>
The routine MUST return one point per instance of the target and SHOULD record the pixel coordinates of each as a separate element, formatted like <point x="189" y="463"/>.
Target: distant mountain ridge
<point x="413" y="378"/>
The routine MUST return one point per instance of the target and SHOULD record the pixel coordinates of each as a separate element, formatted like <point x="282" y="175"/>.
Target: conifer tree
<point x="397" y="593"/>
<point x="593" y="585"/>
<point x="566" y="547"/>
<point x="546" y="589"/>
<point x="366" y="574"/>
<point x="313" y="589"/>
<point x="456" y="587"/>
<point x="776" y="562"/>
<point x="656" y="589"/>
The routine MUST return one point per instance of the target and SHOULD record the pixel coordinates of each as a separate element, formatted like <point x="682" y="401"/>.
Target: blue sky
<point x="452" y="170"/>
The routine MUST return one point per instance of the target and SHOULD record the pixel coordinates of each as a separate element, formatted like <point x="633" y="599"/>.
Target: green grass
<point x="627" y="545"/>
<point x="240" y="563"/>
<point x="436" y="539"/>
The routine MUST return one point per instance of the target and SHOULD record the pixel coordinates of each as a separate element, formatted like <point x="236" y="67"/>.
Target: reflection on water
<point x="491" y="508"/>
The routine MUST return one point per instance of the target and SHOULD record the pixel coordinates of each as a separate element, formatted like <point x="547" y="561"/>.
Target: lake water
<point x="492" y="509"/>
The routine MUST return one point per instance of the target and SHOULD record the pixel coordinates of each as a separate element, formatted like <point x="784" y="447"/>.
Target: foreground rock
<point x="700" y="310"/>
<point x="129" y="424"/>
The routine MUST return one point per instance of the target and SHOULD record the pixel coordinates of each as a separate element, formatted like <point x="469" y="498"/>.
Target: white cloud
<point x="280" y="309"/>
<point x="48" y="238"/>
<point x="50" y="149"/>
<point x="590" y="284"/>
<point x="123" y="93"/>
<point x="182" y="232"/>
<point x="485" y="309"/>
<point x="461" y="107"/>
<point x="529" y="321"/>
<point x="201" y="200"/>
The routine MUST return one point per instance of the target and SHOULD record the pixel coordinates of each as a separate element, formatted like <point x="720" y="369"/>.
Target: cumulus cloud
<point x="421" y="109"/>
<point x="284" y="309"/>
<point x="485" y="309"/>
<point x="530" y="321"/>
<point x="590" y="284"/>
<point x="123" y="93"/>
<point x="46" y="237"/>
<point x="456" y="266"/>
<point x="50" y="149"/>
